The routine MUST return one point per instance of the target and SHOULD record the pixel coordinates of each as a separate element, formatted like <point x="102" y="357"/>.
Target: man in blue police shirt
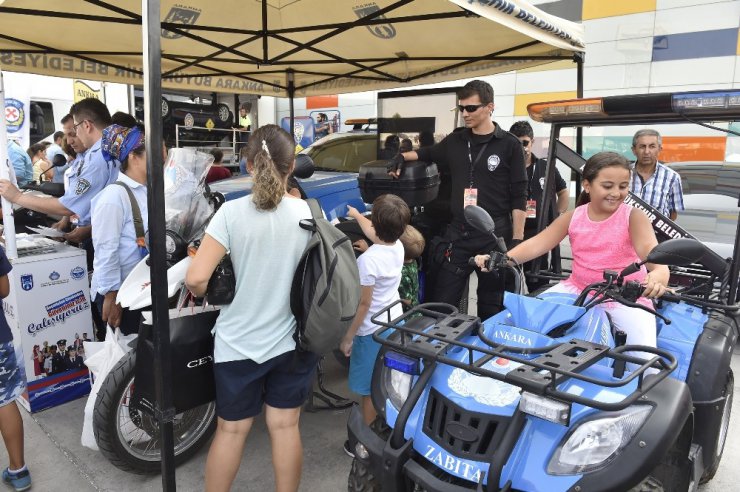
<point x="87" y="178"/>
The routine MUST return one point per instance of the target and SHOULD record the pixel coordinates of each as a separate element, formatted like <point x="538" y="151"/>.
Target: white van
<point x="52" y="97"/>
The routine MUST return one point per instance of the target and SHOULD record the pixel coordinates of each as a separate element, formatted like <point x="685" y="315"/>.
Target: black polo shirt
<point x="498" y="171"/>
<point x="536" y="186"/>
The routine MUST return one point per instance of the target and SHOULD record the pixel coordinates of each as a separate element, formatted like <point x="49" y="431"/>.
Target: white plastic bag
<point x="101" y="358"/>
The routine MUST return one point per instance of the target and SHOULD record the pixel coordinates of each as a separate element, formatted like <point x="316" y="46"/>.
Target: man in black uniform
<point x="486" y="165"/>
<point x="536" y="171"/>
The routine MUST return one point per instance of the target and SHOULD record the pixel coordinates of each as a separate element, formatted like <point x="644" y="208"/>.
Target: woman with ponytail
<point x="256" y="363"/>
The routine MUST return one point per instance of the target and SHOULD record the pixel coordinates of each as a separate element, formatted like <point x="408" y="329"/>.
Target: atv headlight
<point x="594" y="443"/>
<point x="398" y="374"/>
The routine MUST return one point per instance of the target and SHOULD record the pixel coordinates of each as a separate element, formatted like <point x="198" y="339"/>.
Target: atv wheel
<point x="361" y="479"/>
<point x="129" y="437"/>
<point x="728" y="392"/>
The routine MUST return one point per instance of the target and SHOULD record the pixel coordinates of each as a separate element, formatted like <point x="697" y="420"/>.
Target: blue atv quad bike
<point x="545" y="396"/>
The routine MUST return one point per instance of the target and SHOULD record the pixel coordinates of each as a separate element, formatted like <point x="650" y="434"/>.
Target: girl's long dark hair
<point x="593" y="167"/>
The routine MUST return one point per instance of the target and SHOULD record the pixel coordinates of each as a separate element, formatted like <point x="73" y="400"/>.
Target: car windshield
<point x="342" y="152"/>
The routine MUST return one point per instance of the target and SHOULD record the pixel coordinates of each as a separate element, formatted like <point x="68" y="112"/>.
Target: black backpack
<point x="326" y="286"/>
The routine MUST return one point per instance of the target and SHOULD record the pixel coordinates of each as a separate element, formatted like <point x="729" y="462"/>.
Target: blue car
<point x="333" y="190"/>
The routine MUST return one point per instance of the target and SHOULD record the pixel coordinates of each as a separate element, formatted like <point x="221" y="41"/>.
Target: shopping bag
<point x="191" y="356"/>
<point x="100" y="358"/>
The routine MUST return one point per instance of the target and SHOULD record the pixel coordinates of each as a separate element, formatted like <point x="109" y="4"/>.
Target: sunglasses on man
<point x="470" y="108"/>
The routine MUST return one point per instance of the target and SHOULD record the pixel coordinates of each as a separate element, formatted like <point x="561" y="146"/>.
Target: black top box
<point x="417" y="185"/>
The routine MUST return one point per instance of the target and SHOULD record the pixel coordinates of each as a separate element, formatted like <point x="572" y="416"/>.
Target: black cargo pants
<point x="452" y="271"/>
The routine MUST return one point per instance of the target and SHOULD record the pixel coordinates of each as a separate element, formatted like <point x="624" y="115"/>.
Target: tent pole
<point x="164" y="411"/>
<point x="291" y="96"/>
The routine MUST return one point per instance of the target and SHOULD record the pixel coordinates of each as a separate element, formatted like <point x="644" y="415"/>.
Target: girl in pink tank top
<point x="605" y="234"/>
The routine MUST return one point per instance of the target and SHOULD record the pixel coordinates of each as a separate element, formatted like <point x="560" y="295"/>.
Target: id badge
<point x="531" y="208"/>
<point x="470" y="197"/>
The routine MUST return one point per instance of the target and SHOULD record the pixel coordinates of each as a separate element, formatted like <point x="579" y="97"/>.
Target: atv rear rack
<point x="442" y="328"/>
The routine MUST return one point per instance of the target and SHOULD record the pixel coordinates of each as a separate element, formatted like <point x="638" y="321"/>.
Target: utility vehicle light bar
<point x="709" y="102"/>
<point x="555" y="411"/>
<point x="698" y="101"/>
<point x="552" y="111"/>
<point x="400" y="362"/>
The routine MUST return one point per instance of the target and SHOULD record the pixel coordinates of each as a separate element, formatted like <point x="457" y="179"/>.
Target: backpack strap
<point x="136" y="211"/>
<point x="316" y="211"/>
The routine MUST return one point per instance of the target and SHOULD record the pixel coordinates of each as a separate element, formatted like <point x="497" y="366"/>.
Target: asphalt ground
<point x="59" y="462"/>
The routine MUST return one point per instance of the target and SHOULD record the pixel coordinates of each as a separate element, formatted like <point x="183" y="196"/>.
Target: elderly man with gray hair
<point x="654" y="182"/>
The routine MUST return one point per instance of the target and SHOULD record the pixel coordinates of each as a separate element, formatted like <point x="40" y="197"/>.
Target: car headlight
<point x="398" y="374"/>
<point x="594" y="443"/>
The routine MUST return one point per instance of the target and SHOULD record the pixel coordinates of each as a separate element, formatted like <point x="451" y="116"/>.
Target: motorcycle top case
<point x="417" y="185"/>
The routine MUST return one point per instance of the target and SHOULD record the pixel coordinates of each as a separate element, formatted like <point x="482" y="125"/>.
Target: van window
<point x="42" y="120"/>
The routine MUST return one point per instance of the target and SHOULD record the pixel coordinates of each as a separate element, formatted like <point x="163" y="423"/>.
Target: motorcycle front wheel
<point x="129" y="437"/>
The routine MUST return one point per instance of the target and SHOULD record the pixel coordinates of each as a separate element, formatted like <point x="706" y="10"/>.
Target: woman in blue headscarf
<point x="119" y="223"/>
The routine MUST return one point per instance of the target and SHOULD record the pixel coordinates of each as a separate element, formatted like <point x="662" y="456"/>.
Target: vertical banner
<point x="8" y="221"/>
<point x="18" y="115"/>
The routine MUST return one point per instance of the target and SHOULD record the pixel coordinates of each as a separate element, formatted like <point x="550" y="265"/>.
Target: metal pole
<point x="9" y="230"/>
<point x="164" y="410"/>
<point x="291" y="96"/>
<point x="579" y="58"/>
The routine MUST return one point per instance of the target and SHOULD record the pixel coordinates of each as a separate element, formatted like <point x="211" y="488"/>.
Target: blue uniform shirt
<point x="114" y="235"/>
<point x="22" y="164"/>
<point x="87" y="178"/>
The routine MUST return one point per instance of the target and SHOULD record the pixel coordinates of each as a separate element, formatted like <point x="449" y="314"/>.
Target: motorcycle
<point x="546" y="395"/>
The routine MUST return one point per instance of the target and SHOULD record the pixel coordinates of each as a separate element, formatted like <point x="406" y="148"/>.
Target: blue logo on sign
<point x="27" y="282"/>
<point x="15" y="114"/>
<point x="77" y="273"/>
<point x="54" y="276"/>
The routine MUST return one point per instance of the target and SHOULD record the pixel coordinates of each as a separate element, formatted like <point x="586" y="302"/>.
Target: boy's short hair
<point x="522" y="128"/>
<point x="217" y="154"/>
<point x="413" y="243"/>
<point x="390" y="217"/>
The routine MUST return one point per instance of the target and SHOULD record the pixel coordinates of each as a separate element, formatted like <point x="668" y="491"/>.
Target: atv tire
<point x="728" y="392"/>
<point x="128" y="437"/>
<point x="361" y="478"/>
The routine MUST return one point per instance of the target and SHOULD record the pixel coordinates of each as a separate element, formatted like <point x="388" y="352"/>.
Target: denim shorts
<point x="11" y="382"/>
<point x="362" y="361"/>
<point x="243" y="386"/>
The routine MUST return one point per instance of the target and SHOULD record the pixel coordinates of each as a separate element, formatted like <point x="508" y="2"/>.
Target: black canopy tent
<point x="291" y="48"/>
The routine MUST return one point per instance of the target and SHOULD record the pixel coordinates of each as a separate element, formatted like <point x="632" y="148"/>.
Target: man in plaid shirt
<point x="655" y="183"/>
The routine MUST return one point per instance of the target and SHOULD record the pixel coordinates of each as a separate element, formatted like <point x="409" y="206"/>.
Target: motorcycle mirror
<point x="679" y="252"/>
<point x="480" y="219"/>
<point x="304" y="166"/>
<point x="58" y="161"/>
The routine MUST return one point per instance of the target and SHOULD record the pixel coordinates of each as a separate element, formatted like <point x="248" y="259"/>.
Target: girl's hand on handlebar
<point x="481" y="260"/>
<point x="655" y="285"/>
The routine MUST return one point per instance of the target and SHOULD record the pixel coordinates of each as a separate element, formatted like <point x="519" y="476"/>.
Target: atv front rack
<point x="442" y="328"/>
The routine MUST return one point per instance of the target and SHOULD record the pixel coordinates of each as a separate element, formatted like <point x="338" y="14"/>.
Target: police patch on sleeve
<point x="493" y="162"/>
<point x="82" y="186"/>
